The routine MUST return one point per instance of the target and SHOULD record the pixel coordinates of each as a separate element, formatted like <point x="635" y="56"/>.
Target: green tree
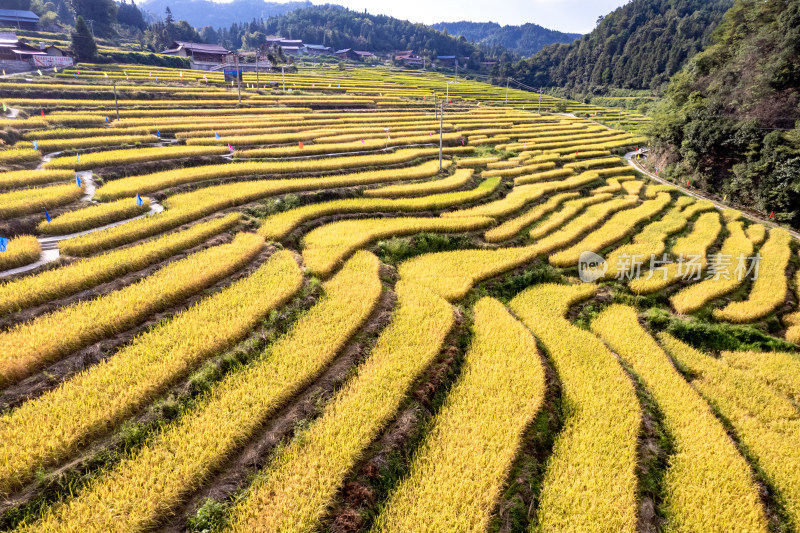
<point x="83" y="45"/>
<point x="130" y="15"/>
<point x="23" y="5"/>
<point x="102" y="13"/>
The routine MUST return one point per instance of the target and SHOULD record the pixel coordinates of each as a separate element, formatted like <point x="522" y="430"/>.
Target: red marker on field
<point x="301" y="145"/>
<point x="771" y="214"/>
<point x="42" y="113"/>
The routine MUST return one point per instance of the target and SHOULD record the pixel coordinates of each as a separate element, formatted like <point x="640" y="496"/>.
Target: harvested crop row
<point x="793" y="320"/>
<point x="519" y="196"/>
<point x="19" y="155"/>
<point x="280" y="225"/>
<point x="572" y="208"/>
<point x="27" y="201"/>
<point x="171" y="178"/>
<point x="708" y="484"/>
<point x="634" y="187"/>
<point x="296" y="489"/>
<point x="756" y="233"/>
<point x="764" y="421"/>
<point x="20" y="251"/>
<point x="590" y="483"/>
<point x="477" y="161"/>
<point x="769" y="288"/>
<point x="584" y="155"/>
<point x="513" y="226"/>
<point x="457" y="474"/>
<point x="691" y="253"/>
<point x="324" y="248"/>
<point x="94" y="216"/>
<point x="518" y="171"/>
<point x="578" y="227"/>
<point x="593" y="163"/>
<point x="31" y="345"/>
<point x="612" y="185"/>
<point x="59" y="145"/>
<point x="778" y="370"/>
<point x="187" y="207"/>
<point x="543" y="176"/>
<point x="27" y="178"/>
<point x="84" y="274"/>
<point x="627" y="260"/>
<point x="52" y="427"/>
<point x="136" y="155"/>
<point x="330" y="148"/>
<point x="313" y="132"/>
<point x="727" y="271"/>
<point x="452" y="274"/>
<point x="458" y="179"/>
<point x="68" y="133"/>
<point x="131" y="498"/>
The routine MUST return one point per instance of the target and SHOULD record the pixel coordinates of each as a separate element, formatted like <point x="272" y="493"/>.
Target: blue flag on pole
<point x="46" y="214"/>
<point x="3" y="244"/>
<point x="139" y="200"/>
<point x="35" y="145"/>
<point x="107" y="121"/>
<point x="216" y="135"/>
<point x="158" y="132"/>
<point x="77" y="180"/>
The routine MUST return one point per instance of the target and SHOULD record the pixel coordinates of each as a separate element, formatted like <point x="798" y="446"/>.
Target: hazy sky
<point x="577" y="16"/>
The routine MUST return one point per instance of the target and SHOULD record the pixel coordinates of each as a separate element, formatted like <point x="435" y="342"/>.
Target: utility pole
<point x="435" y="108"/>
<point x="540" y="100"/>
<point x="447" y="86"/>
<point x="283" y="76"/>
<point x="441" y="123"/>
<point x="257" y="80"/>
<point x="506" y="90"/>
<point x="238" y="78"/>
<point x="116" y="105"/>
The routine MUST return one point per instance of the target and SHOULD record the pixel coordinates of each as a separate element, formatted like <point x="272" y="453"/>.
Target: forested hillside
<point x="338" y="27"/>
<point x="524" y="40"/>
<point x="730" y="117"/>
<point x="638" y="46"/>
<point x="201" y="13"/>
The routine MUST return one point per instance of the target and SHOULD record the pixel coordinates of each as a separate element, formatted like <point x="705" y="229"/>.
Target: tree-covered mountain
<point x="524" y="40"/>
<point x="339" y="27"/>
<point x="637" y="46"/>
<point x="730" y="118"/>
<point x="201" y="13"/>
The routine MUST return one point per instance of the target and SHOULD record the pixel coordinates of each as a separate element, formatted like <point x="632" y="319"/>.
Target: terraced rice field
<point x="290" y="315"/>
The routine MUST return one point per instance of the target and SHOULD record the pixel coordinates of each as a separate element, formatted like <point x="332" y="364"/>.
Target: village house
<point x="203" y="56"/>
<point x="17" y="56"/>
<point x="16" y="18"/>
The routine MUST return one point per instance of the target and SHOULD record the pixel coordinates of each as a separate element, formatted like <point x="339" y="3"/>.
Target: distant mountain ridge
<point x="201" y="13"/>
<point x="524" y="40"/>
<point x="339" y="27"/>
<point x="637" y="46"/>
